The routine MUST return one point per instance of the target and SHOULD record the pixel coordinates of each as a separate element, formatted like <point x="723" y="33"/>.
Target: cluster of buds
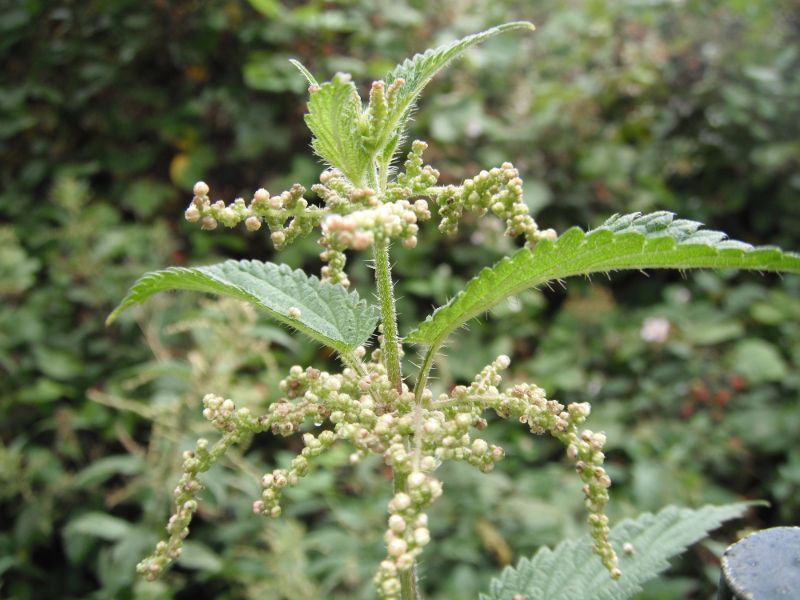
<point x="236" y="425"/>
<point x="412" y="435"/>
<point x="499" y="191"/>
<point x="341" y="196"/>
<point x="360" y="229"/>
<point x="382" y="103"/>
<point x="356" y="218"/>
<point x="316" y="395"/>
<point x="288" y="414"/>
<point x="417" y="178"/>
<point x="274" y="483"/>
<point x="287" y="215"/>
<point x="528" y="403"/>
<point x="408" y="531"/>
<point x="445" y="434"/>
<point x="223" y="415"/>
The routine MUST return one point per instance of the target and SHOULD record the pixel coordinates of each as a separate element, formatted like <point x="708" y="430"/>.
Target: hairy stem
<point x="422" y="376"/>
<point x="351" y="360"/>
<point x="373" y="180"/>
<point x="391" y="358"/>
<point x="419" y="388"/>
<point x="383" y="174"/>
<point x="391" y="346"/>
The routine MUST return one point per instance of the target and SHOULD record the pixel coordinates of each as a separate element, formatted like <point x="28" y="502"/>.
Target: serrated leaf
<point x="329" y="314"/>
<point x="571" y="571"/>
<point x="334" y="113"/>
<point x="634" y="241"/>
<point x="417" y="73"/>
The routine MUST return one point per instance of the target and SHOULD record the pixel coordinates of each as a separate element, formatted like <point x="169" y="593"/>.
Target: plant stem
<point x="424" y="371"/>
<point x="383" y="174"/>
<point x="391" y="358"/>
<point x="419" y="389"/>
<point x="383" y="280"/>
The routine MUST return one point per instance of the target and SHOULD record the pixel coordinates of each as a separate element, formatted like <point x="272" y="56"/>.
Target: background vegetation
<point x="109" y="111"/>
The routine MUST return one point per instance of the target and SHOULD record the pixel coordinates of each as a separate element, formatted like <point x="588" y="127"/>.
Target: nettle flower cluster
<point x="355" y="218"/>
<point x="412" y="433"/>
<point x="361" y="407"/>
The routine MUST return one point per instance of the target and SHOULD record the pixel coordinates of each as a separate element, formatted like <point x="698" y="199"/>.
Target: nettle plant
<point x="366" y="204"/>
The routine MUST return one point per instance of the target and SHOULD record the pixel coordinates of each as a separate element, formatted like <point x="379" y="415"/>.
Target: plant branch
<point x="419" y="389"/>
<point x="424" y="372"/>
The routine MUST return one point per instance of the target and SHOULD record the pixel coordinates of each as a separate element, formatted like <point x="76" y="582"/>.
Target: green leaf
<point x="634" y="241"/>
<point x="758" y="361"/>
<point x="419" y="70"/>
<point x="328" y="313"/>
<point x="334" y="114"/>
<point x="104" y="468"/>
<point x="98" y="525"/>
<point x="571" y="571"/>
<point x="195" y="555"/>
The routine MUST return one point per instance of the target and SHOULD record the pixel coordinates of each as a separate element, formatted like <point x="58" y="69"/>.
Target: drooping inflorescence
<point x="361" y="407"/>
<point x="528" y="403"/>
<point x="235" y="425"/>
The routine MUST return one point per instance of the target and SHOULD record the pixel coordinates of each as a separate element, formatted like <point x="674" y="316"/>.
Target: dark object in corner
<point x="762" y="566"/>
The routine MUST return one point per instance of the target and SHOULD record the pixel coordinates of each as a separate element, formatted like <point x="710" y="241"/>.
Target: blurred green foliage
<point x="109" y="111"/>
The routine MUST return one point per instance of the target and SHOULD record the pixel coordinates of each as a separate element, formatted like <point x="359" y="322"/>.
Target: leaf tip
<point x="112" y="317"/>
<point x="305" y="72"/>
<point x="516" y="25"/>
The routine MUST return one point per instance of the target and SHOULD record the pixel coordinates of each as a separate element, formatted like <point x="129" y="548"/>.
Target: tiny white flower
<point x="655" y="330"/>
